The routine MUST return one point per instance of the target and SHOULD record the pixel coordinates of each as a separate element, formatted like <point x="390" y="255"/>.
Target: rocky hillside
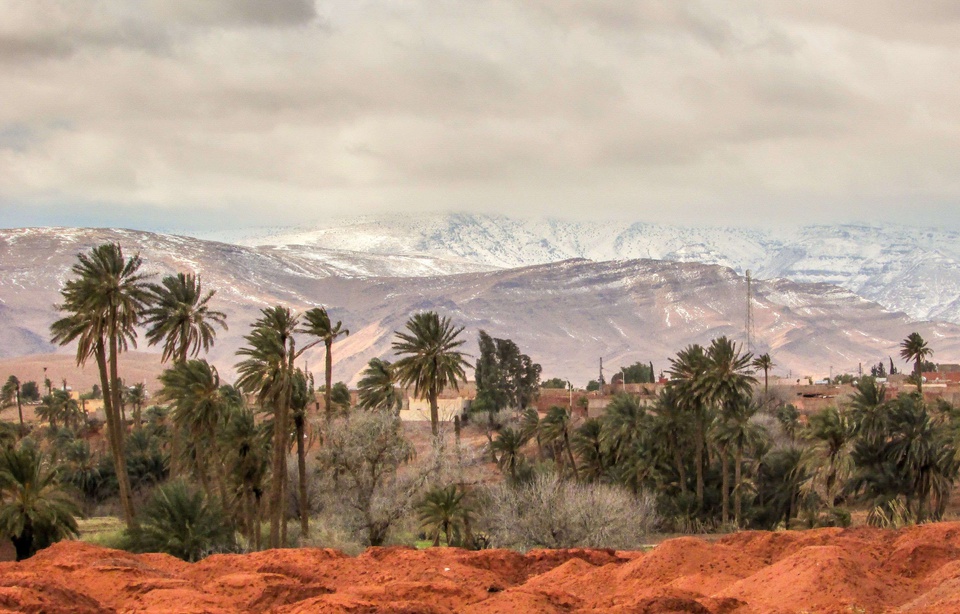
<point x="915" y="570"/>
<point x="566" y="315"/>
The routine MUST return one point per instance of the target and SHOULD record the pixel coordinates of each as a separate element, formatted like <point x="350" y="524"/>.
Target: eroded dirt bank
<point x="828" y="570"/>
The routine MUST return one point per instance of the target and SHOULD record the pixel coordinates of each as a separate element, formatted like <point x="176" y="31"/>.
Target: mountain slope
<point x="916" y="271"/>
<point x="566" y="315"/>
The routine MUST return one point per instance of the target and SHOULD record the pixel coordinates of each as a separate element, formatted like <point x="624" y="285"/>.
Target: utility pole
<point x="748" y="321"/>
<point x="600" y="381"/>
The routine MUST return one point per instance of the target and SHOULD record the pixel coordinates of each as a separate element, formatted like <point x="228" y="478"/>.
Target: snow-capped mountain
<point x="564" y="314"/>
<point x="907" y="269"/>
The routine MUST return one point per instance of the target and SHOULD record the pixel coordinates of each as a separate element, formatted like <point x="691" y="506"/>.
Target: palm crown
<point x="180" y="317"/>
<point x="430" y="360"/>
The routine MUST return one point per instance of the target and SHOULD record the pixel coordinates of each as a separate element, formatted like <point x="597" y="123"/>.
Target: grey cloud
<point x="235" y="12"/>
<point x="558" y="106"/>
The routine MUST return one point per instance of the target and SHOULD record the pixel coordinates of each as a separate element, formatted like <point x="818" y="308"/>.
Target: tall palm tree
<point x="686" y="371"/>
<point x="268" y="372"/>
<point x="915" y="349"/>
<point x="34" y="511"/>
<point x="727" y="379"/>
<point x="319" y="325"/>
<point x="765" y="364"/>
<point x="193" y="389"/>
<point x="248" y="453"/>
<point x="674" y="425"/>
<point x="103" y="303"/>
<point x="742" y="435"/>
<point x="11" y="394"/>
<point x="299" y="401"/>
<point x="726" y="384"/>
<point x="377" y="388"/>
<point x="180" y="317"/>
<point x="430" y="360"/>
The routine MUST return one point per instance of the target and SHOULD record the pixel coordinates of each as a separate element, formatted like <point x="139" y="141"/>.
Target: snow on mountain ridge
<point x="914" y="270"/>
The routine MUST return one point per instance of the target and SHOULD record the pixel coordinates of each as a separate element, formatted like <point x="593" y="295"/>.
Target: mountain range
<point x="566" y="314"/>
<point x="914" y="270"/>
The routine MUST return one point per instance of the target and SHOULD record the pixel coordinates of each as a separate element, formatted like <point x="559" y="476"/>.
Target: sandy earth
<point x="828" y="570"/>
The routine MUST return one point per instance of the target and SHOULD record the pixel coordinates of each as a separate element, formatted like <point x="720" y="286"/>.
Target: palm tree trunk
<point x="276" y="481"/>
<point x="919" y="373"/>
<point x="434" y="413"/>
<point x="737" y="482"/>
<point x="698" y="452"/>
<point x="302" y="474"/>
<point x="20" y="410"/>
<point x="328" y="377"/>
<point x="765" y="373"/>
<point x="120" y="460"/>
<point x="283" y="506"/>
<point x="257" y="521"/>
<point x="220" y="474"/>
<point x="725" y="485"/>
<point x="677" y="461"/>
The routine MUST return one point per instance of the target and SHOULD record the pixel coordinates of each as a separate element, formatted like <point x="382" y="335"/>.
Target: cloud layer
<point x="235" y="112"/>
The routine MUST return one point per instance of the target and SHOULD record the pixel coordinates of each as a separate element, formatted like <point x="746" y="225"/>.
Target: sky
<point x="218" y="114"/>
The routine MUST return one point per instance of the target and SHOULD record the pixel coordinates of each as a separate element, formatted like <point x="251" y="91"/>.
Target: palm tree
<point x="915" y="349"/>
<point x="34" y="512"/>
<point x="686" y="371"/>
<point x="319" y="325"/>
<point x="377" y="388"/>
<point x="430" y="360"/>
<point x="180" y="317"/>
<point x="727" y="380"/>
<point x="555" y="429"/>
<point x="183" y="523"/>
<point x="868" y="409"/>
<point x="444" y="510"/>
<point x="136" y="395"/>
<point x="828" y="462"/>
<point x="248" y="451"/>
<point x="742" y="435"/>
<point x="506" y="449"/>
<point x="103" y="304"/>
<point x="268" y="373"/>
<point x="193" y="388"/>
<point x="765" y="364"/>
<point x="674" y="426"/>
<point x="299" y="400"/>
<point x="11" y="394"/>
<point x="623" y="422"/>
<point x="588" y="442"/>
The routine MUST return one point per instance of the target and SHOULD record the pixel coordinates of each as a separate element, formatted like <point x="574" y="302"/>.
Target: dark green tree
<point x="34" y="511"/>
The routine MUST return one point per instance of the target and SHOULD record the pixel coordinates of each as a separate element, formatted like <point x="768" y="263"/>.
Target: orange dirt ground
<point x="828" y="570"/>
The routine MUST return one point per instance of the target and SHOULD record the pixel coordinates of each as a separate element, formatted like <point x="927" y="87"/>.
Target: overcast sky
<point x="228" y="113"/>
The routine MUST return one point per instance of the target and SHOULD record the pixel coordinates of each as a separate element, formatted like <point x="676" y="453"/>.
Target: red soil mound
<point x="832" y="570"/>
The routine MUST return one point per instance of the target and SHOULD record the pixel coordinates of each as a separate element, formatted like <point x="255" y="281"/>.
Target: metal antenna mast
<point x="748" y="323"/>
